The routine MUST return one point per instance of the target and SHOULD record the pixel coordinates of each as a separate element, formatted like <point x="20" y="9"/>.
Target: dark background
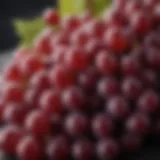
<point x="10" y="9"/>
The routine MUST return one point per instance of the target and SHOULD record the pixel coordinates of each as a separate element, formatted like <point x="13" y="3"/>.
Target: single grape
<point x="29" y="149"/>
<point x="130" y="66"/>
<point x="73" y="98"/>
<point x="58" y="148"/>
<point x="117" y="107"/>
<point x="102" y="125"/>
<point x="61" y="77"/>
<point x="88" y="79"/>
<point x="149" y="78"/>
<point x="76" y="124"/>
<point x="32" y="96"/>
<point x="117" y="39"/>
<point x="13" y="73"/>
<point x="140" y="23"/>
<point x="108" y="87"/>
<point x="38" y="123"/>
<point x="107" y="63"/>
<point x="76" y="59"/>
<point x="131" y="88"/>
<point x="9" y="138"/>
<point x="51" y="17"/>
<point x="133" y="7"/>
<point x="40" y="80"/>
<point x="107" y="149"/>
<point x="15" y="114"/>
<point x="149" y="101"/>
<point x="13" y="93"/>
<point x="31" y="64"/>
<point x="50" y="102"/>
<point x="138" y="124"/>
<point x="42" y="45"/>
<point x="71" y="23"/>
<point x="83" y="150"/>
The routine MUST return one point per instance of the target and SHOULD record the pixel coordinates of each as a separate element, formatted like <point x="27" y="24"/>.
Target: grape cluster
<point x="88" y="88"/>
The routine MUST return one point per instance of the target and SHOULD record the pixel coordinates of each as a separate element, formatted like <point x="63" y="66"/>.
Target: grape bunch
<point x="87" y="89"/>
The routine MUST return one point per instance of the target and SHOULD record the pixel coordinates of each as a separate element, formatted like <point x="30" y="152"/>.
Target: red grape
<point x="13" y="73"/>
<point x="50" y="102"/>
<point x="38" y="123"/>
<point x="42" y="45"/>
<point x="76" y="59"/>
<point x="29" y="149"/>
<point x="31" y="64"/>
<point x="108" y="87"/>
<point x="58" y="148"/>
<point x="83" y="150"/>
<point x="61" y="77"/>
<point x="32" y="97"/>
<point x="102" y="125"/>
<point x="140" y="23"/>
<point x="71" y="23"/>
<point x="131" y="88"/>
<point x="73" y="98"/>
<point x="40" y="80"/>
<point x="76" y="124"/>
<point x="117" y="107"/>
<point x="133" y="6"/>
<point x="15" y="114"/>
<point x="116" y="39"/>
<point x="9" y="138"/>
<point x="107" y="148"/>
<point x="138" y="124"/>
<point x="130" y="66"/>
<point x="13" y="93"/>
<point x="88" y="79"/>
<point x="149" y="101"/>
<point x="107" y="63"/>
<point x="51" y="17"/>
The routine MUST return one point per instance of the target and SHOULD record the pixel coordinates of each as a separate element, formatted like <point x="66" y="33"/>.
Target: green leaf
<point x="100" y="5"/>
<point x="28" y="29"/>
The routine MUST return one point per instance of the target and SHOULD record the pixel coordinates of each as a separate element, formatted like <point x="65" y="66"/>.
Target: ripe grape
<point x="107" y="148"/>
<point x="31" y="64"/>
<point x="51" y="17"/>
<point x="131" y="88"/>
<point x="138" y="124"/>
<point x="107" y="63"/>
<point x="38" y="123"/>
<point x="116" y="39"/>
<point x="50" y="102"/>
<point x="9" y="138"/>
<point x="15" y="114"/>
<point x="140" y="23"/>
<point x="117" y="107"/>
<point x="40" y="80"/>
<point x="108" y="87"/>
<point x="58" y="148"/>
<point x="76" y="59"/>
<point x="73" y="98"/>
<point x="61" y="77"/>
<point x="83" y="150"/>
<point x="29" y="149"/>
<point x="149" y="101"/>
<point x="13" y="93"/>
<point x="102" y="125"/>
<point x="76" y="124"/>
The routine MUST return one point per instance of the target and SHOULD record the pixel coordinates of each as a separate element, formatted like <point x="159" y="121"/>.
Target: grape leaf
<point x="28" y="29"/>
